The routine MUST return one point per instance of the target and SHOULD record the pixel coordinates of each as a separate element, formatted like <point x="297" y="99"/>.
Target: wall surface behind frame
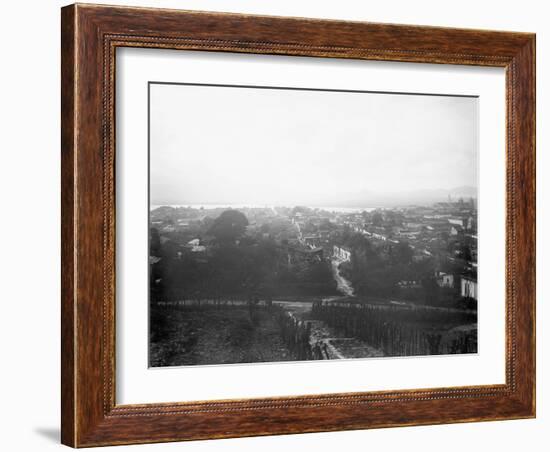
<point x="31" y="210"/>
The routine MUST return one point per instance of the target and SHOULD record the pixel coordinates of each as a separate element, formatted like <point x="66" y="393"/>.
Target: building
<point x="445" y="279"/>
<point x="456" y="221"/>
<point x="195" y="246"/>
<point x="312" y="241"/>
<point x="468" y="287"/>
<point x="471" y="223"/>
<point x="456" y="230"/>
<point x="409" y="284"/>
<point x="314" y="254"/>
<point x="379" y="236"/>
<point x="341" y="253"/>
<point x="298" y="254"/>
<point x="154" y="260"/>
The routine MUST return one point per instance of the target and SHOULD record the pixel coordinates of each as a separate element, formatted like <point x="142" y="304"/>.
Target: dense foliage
<point x="375" y="271"/>
<point x="235" y="266"/>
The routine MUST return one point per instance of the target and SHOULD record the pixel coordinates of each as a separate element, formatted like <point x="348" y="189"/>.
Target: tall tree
<point x="402" y="253"/>
<point x="229" y="227"/>
<point x="377" y="219"/>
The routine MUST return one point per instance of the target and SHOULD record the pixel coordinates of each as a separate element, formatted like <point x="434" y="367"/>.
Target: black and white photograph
<point x="298" y="224"/>
<point x="269" y="225"/>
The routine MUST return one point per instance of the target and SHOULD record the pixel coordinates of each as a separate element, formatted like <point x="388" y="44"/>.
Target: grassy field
<point x="209" y="335"/>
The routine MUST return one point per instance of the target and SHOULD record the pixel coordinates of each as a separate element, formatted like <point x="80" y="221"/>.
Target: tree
<point x="391" y="218"/>
<point x="301" y="209"/>
<point x="466" y="253"/>
<point x="326" y="225"/>
<point x="377" y="219"/>
<point x="154" y="242"/>
<point x="402" y="253"/>
<point x="229" y="227"/>
<point x="431" y="290"/>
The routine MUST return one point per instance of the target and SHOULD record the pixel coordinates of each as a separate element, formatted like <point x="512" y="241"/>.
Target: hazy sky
<point x="218" y="145"/>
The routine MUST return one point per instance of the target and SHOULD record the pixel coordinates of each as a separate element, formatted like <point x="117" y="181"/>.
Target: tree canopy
<point x="229" y="226"/>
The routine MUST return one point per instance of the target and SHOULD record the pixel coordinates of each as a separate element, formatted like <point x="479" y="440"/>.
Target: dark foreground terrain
<point x="215" y="336"/>
<point x="216" y="333"/>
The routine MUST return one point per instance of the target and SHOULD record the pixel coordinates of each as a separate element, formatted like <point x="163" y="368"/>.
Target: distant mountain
<point x="464" y="191"/>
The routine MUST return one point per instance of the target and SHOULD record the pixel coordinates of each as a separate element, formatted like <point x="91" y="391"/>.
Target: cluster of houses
<point x="468" y="283"/>
<point x="467" y="287"/>
<point x="446" y="231"/>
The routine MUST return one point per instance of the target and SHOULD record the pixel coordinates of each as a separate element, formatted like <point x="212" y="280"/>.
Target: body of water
<point x="334" y="209"/>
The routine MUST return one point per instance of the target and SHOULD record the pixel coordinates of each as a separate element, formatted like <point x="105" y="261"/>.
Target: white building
<point x="341" y="253"/>
<point x="445" y="279"/>
<point x="457" y="221"/>
<point x="468" y="287"/>
<point x="195" y="246"/>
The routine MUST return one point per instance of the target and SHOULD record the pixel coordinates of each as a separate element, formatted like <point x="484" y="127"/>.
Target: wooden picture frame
<point x="90" y="35"/>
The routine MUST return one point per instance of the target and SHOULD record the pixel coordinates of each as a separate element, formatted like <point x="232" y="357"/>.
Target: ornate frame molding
<point x="90" y="37"/>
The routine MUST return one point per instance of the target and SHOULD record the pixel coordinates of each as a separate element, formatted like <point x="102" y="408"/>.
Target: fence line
<point x="399" y="332"/>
